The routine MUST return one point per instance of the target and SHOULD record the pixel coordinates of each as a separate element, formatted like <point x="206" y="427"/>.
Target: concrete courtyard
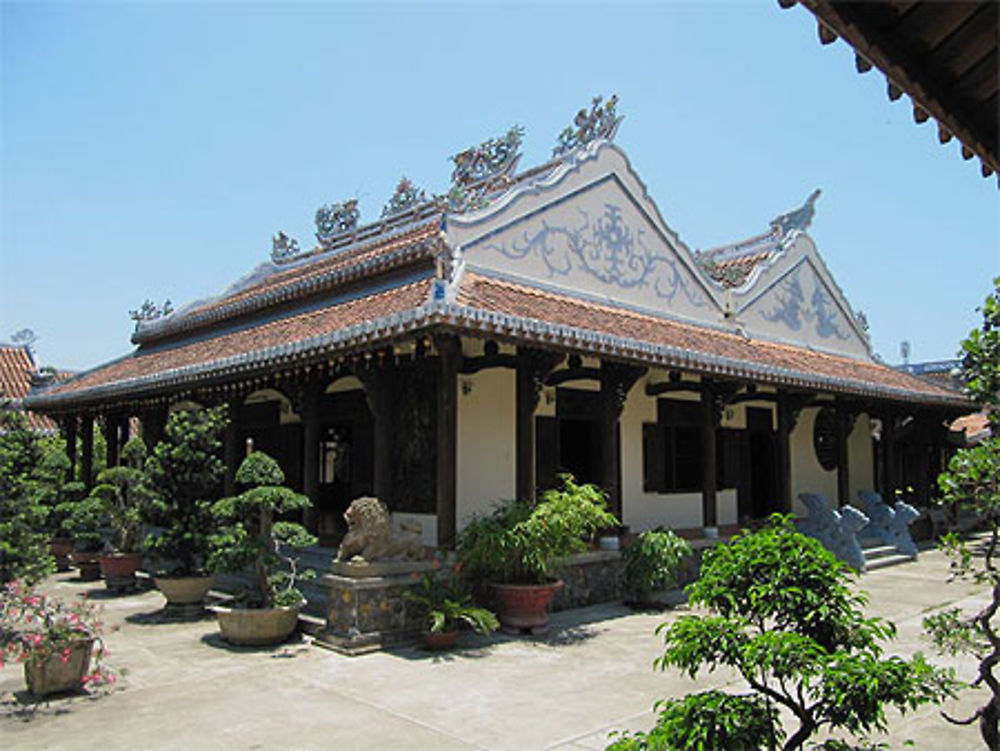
<point x="183" y="688"/>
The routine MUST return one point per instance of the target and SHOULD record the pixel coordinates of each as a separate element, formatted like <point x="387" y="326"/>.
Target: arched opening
<point x="267" y="422"/>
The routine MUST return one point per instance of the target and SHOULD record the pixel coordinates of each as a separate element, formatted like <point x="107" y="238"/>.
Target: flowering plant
<point x="35" y="627"/>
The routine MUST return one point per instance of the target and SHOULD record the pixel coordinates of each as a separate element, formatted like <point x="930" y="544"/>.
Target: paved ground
<point x="185" y="689"/>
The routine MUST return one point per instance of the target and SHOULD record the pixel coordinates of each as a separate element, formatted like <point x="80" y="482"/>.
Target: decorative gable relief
<point x="592" y="232"/>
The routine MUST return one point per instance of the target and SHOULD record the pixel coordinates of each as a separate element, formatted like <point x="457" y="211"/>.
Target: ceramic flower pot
<point x="440" y="640"/>
<point x="88" y="564"/>
<point x="525" y="607"/>
<point x="184" y="590"/>
<point x="118" y="570"/>
<point x="60" y="671"/>
<point x="61" y="547"/>
<point x="257" y="626"/>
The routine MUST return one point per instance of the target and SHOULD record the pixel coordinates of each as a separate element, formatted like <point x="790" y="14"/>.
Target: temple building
<point x="469" y="347"/>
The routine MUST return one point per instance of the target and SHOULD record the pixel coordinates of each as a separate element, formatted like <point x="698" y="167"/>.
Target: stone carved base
<point x="889" y="525"/>
<point x="837" y="530"/>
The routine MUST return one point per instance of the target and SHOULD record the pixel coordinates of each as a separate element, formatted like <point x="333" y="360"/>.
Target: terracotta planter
<point x="255" y="627"/>
<point x="525" y="607"/>
<point x="184" y="590"/>
<point x="118" y="569"/>
<point x="440" y="640"/>
<point x="61" y="547"/>
<point x="52" y="675"/>
<point x="88" y="564"/>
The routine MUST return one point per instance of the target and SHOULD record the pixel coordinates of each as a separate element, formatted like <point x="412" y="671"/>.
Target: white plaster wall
<point x="807" y="475"/>
<point x="642" y="510"/>
<point x="486" y="442"/>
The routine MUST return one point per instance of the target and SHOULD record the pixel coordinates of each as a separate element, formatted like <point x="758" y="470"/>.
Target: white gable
<point x="588" y="229"/>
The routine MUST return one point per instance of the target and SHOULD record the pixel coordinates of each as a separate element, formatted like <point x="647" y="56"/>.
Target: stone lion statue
<point x="370" y="536"/>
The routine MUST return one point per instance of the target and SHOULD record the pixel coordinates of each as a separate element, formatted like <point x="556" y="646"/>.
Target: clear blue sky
<point x="152" y="149"/>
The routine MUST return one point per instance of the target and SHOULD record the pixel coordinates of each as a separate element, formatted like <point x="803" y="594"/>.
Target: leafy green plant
<point x="253" y="538"/>
<point x="184" y="476"/>
<point x="122" y="494"/>
<point x="780" y="611"/>
<point x="652" y="562"/>
<point x="24" y="550"/>
<point x="87" y="524"/>
<point x="521" y="543"/>
<point x="446" y="606"/>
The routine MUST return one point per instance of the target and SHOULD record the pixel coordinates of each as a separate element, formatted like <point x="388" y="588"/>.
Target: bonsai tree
<point x="653" y="562"/>
<point x="24" y="550"/>
<point x="122" y="493"/>
<point x="184" y="475"/>
<point x="780" y="611"/>
<point x="445" y="607"/>
<point x="972" y="481"/>
<point x="86" y="523"/>
<point x="254" y="539"/>
<point x="522" y="543"/>
<point x="53" y="489"/>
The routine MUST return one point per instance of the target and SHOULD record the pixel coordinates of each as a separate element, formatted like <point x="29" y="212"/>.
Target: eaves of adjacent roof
<point x="508" y="312"/>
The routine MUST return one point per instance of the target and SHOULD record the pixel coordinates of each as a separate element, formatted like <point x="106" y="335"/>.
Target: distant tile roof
<point x="17" y="367"/>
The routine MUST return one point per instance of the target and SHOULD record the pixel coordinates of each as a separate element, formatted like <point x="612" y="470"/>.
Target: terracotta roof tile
<point x="153" y="360"/>
<point x="16" y="370"/>
<point x="526" y="302"/>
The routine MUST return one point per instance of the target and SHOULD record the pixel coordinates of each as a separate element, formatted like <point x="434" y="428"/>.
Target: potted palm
<point x="184" y="476"/>
<point x="58" y="642"/>
<point x="519" y="546"/>
<point x="445" y="608"/>
<point x="254" y="539"/>
<point x="121" y="491"/>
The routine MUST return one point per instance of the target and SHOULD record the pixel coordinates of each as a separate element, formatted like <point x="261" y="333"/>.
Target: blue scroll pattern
<point x="790" y="309"/>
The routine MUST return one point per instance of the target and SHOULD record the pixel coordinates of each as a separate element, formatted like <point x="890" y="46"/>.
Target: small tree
<point x="254" y="539"/>
<point x="24" y="550"/>
<point x="184" y="476"/>
<point x="972" y="481"/>
<point x="122" y="493"/>
<point x="781" y="612"/>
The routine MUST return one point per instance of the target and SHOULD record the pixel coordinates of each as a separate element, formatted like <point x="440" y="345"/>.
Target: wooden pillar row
<point x="533" y="367"/>
<point x="69" y="431"/>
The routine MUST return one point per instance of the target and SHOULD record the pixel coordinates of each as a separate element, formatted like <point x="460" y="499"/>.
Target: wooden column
<point x="843" y="432"/>
<point x="616" y="382"/>
<point x="786" y="424"/>
<point x="231" y="456"/>
<point x="69" y="431"/>
<point x="87" y="451"/>
<point x="310" y="411"/>
<point x="533" y="367"/>
<point x="889" y="458"/>
<point x="111" y="423"/>
<point x="378" y="380"/>
<point x="449" y="354"/>
<point x="709" y="460"/>
<point x="153" y="422"/>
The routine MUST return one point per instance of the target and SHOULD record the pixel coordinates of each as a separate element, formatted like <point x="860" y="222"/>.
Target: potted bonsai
<point x="444" y="608"/>
<point x="518" y="547"/>
<point x="122" y="494"/>
<point x="57" y="493"/>
<point x="653" y="562"/>
<point x="60" y="644"/>
<point x="184" y="476"/>
<point x="85" y="522"/>
<point x="253" y="539"/>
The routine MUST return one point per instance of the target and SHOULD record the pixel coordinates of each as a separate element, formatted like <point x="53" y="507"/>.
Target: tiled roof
<point x="697" y="346"/>
<point x="248" y="349"/>
<point x="319" y="272"/>
<point x="17" y="366"/>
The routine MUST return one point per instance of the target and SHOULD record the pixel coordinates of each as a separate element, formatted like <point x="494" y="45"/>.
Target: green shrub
<point x="652" y="562"/>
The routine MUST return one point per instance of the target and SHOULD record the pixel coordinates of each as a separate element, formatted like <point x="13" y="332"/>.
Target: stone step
<point x="882" y="551"/>
<point x="885" y="561"/>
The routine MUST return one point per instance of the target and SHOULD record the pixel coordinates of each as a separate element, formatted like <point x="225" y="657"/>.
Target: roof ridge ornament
<point x="798" y="220"/>
<point x="150" y="311"/>
<point x="490" y="159"/>
<point x="336" y="219"/>
<point x="283" y="248"/>
<point x="600" y="122"/>
<point x="407" y="196"/>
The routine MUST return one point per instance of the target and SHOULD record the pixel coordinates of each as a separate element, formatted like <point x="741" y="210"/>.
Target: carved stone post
<point x="709" y="459"/>
<point x="449" y="353"/>
<point x="87" y="451"/>
<point x="533" y="367"/>
<point x="616" y="382"/>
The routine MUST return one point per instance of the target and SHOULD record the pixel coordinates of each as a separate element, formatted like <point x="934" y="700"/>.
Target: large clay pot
<point x="61" y="547"/>
<point x="184" y="590"/>
<point x="440" y="640"/>
<point x="88" y="564"/>
<point x="118" y="570"/>
<point x="525" y="607"/>
<point x="257" y="626"/>
<point x="53" y="674"/>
